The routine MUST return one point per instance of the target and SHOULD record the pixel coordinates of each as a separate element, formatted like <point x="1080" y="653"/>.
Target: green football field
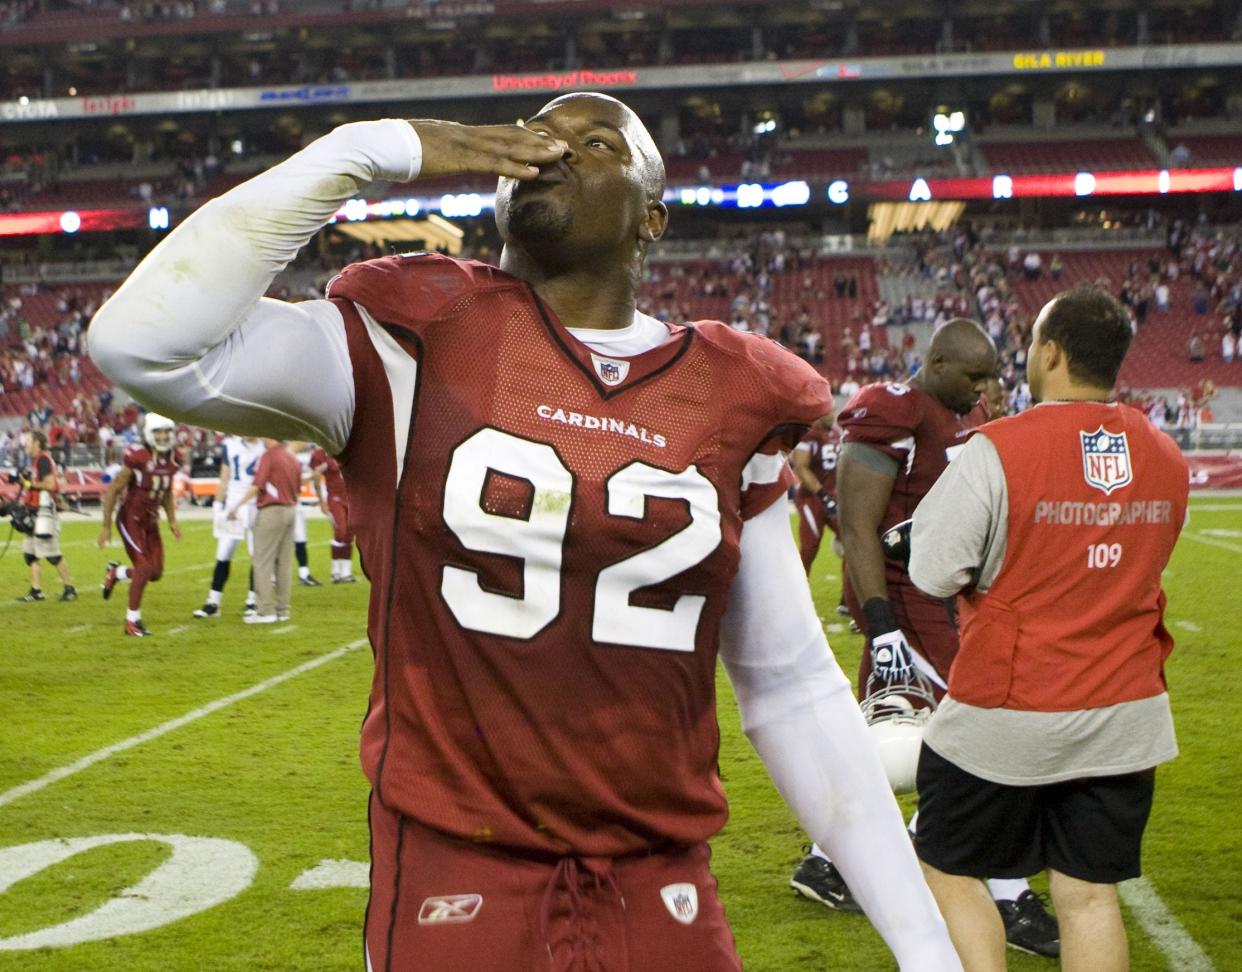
<point x="194" y="800"/>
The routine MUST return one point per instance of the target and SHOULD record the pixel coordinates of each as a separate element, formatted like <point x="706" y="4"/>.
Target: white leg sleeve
<point x="800" y="715"/>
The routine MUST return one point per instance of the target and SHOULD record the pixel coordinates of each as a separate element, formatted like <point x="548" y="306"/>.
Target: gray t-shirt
<point x="959" y="538"/>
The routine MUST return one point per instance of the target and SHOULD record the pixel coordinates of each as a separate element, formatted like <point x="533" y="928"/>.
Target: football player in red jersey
<point x="897" y="439"/>
<point x="568" y="510"/>
<point x="329" y="486"/>
<point x="814" y="462"/>
<point x="146" y="480"/>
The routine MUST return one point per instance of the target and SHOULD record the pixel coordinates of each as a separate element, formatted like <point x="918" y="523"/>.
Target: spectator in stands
<point x="1228" y="346"/>
<point x="1195" y="348"/>
<point x="1032" y="265"/>
<point x="1057" y="267"/>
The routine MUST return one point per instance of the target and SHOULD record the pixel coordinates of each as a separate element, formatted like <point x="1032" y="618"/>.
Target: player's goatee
<point x="536" y="220"/>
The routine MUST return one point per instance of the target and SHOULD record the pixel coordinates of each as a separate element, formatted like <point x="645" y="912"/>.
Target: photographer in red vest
<point x="40" y="496"/>
<point x="1052" y="527"/>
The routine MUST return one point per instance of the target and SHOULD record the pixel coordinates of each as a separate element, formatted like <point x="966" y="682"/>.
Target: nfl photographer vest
<point x="41" y="464"/>
<point x="1097" y="497"/>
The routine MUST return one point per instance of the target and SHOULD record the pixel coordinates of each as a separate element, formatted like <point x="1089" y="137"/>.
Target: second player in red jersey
<point x="814" y="462"/>
<point x="329" y="486"/>
<point x="145" y="485"/>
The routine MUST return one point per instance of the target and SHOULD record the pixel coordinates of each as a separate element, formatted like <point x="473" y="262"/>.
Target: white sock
<point x="1007" y="889"/>
<point x="347" y="568"/>
<point x="304" y="572"/>
<point x="817" y="852"/>
<point x="122" y="573"/>
<point x="214" y="597"/>
<point x="134" y="616"/>
<point x="250" y="599"/>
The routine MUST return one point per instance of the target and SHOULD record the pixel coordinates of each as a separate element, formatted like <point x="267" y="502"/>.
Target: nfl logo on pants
<point x="682" y="901"/>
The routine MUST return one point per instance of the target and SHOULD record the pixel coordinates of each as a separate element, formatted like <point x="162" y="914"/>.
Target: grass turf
<point x="277" y="772"/>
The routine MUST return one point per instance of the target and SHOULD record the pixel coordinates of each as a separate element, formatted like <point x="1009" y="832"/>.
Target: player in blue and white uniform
<point x="239" y="458"/>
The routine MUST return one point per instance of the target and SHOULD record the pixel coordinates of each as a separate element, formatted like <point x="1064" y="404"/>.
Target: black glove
<point x="895" y="541"/>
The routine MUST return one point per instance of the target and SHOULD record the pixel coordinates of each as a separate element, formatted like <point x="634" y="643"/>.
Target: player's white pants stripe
<point x="128" y="539"/>
<point x="810" y="520"/>
<point x="402" y="372"/>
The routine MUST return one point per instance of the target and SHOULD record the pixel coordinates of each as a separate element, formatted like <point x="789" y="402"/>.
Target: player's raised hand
<point x="450" y="148"/>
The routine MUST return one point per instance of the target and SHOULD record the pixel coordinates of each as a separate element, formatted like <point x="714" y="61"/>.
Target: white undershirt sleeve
<point x="799" y="713"/>
<point x="188" y="332"/>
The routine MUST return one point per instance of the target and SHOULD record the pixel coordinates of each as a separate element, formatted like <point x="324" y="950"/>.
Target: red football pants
<point x="439" y="904"/>
<point x="338" y="513"/>
<point x="813" y="522"/>
<point x="140" y="534"/>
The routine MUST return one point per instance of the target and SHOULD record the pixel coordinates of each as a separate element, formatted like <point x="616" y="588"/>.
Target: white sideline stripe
<point x="1216" y="507"/>
<point x="1183" y="952"/>
<point x="1213" y="542"/>
<point x="61" y="772"/>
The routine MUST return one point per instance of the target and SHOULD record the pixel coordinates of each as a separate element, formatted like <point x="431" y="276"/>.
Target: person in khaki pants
<point x="277" y="483"/>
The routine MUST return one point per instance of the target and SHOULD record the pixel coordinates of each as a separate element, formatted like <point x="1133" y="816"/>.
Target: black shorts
<point x="1090" y="829"/>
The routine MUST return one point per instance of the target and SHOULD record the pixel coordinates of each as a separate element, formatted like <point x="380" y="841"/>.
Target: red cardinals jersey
<point x="328" y="468"/>
<point x="151" y="479"/>
<point x="917" y="431"/>
<point x="823" y="444"/>
<point x="551" y="535"/>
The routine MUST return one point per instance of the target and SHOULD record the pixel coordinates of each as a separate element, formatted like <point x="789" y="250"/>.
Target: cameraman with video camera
<point x="39" y="494"/>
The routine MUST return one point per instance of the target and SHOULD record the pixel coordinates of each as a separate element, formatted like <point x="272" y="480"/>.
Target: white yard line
<point x="285" y="630"/>
<point x="1187" y="626"/>
<point x="61" y="772"/>
<point x="1169" y="935"/>
<point x="172" y="632"/>
<point x="1212" y="541"/>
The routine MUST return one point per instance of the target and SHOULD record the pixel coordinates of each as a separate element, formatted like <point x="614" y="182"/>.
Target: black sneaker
<point x="842" y="610"/>
<point x="208" y="610"/>
<point x="248" y="610"/>
<point x="819" y="880"/>
<point x="70" y="593"/>
<point x="309" y="581"/>
<point x="1029" y="927"/>
<point x="346" y="579"/>
<point x="34" y="594"/>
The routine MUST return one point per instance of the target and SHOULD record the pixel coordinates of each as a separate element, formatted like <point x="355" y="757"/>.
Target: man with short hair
<point x="568" y="510"/>
<point x="814" y="462"/>
<point x="1052" y="528"/>
<point x="41" y="494"/>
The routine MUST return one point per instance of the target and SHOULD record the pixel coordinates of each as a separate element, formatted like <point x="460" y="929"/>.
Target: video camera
<point x="23" y="516"/>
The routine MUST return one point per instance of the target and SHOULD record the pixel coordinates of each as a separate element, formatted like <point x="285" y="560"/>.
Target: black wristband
<point x="881" y="618"/>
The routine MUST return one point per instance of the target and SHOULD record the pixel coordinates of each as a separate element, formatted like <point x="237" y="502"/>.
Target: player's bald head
<point x="959" y="362"/>
<point x="961" y="339"/>
<point x="619" y="115"/>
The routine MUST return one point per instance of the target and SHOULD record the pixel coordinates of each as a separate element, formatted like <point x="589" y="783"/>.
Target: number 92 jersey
<point x="551" y="536"/>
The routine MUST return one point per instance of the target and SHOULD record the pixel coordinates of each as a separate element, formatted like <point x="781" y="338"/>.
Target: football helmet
<point x="896" y="713"/>
<point x="159" y="432"/>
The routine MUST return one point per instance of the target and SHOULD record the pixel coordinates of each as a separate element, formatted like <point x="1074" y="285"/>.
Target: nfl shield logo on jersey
<point x="1105" y="459"/>
<point x="682" y="901"/>
<point x="610" y="370"/>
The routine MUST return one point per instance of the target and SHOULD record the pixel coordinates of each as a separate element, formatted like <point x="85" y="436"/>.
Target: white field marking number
<point x="538" y="541"/>
<point x="1100" y="555"/>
